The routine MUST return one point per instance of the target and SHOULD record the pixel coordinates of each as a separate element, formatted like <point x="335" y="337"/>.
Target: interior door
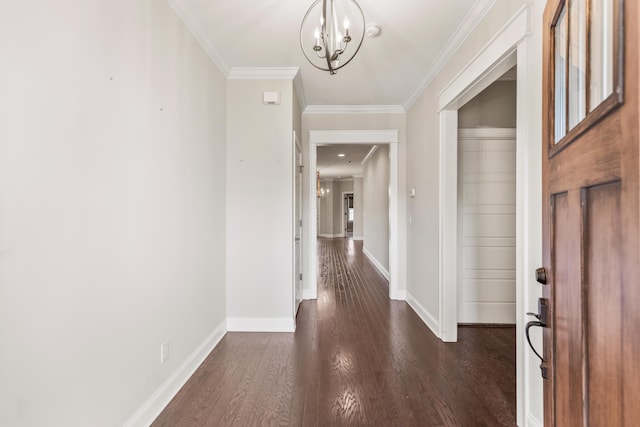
<point x="590" y="210"/>
<point x="297" y="225"/>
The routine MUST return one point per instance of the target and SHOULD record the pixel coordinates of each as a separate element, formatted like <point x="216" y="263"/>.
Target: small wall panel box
<point x="271" y="98"/>
<point x="412" y="192"/>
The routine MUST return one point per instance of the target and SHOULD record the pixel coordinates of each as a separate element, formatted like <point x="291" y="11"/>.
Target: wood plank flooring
<point x="356" y="359"/>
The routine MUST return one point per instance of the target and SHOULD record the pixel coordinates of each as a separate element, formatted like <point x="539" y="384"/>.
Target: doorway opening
<point x="486" y="278"/>
<point x="349" y="214"/>
<point x="387" y="138"/>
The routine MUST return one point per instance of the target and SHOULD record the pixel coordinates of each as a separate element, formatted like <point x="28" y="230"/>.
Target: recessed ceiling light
<point x="341" y="155"/>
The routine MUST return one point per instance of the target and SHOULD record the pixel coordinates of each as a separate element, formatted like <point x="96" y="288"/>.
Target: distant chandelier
<point x="325" y="44"/>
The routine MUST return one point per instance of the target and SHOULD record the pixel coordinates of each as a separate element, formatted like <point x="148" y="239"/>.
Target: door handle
<point x="542" y="319"/>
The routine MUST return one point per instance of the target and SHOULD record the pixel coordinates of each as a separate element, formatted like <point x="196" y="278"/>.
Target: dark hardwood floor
<point x="356" y="359"/>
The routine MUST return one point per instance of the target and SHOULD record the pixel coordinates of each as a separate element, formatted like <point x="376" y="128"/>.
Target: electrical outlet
<point x="164" y="351"/>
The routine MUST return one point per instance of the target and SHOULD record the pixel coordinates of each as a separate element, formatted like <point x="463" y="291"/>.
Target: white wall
<point x="259" y="206"/>
<point x="331" y="207"/>
<point x="112" y="188"/>
<point x="376" y="207"/>
<point x="493" y="107"/>
<point x="423" y="173"/>
<point x="328" y="203"/>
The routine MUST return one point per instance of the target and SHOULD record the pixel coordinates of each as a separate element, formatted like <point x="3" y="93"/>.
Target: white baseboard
<point x="376" y="263"/>
<point x="533" y="421"/>
<point x="260" y="324"/>
<point x="150" y="409"/>
<point x="398" y="295"/>
<point x="330" y="236"/>
<point x="431" y="322"/>
<point x="358" y="238"/>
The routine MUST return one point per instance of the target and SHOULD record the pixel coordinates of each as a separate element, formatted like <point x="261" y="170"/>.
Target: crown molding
<point x="193" y="24"/>
<point x="490" y="61"/>
<point x="369" y="154"/>
<point x="354" y="109"/>
<point x="263" y="73"/>
<point x="468" y="24"/>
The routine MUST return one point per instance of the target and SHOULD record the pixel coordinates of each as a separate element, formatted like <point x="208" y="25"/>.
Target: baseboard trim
<point x="260" y="324"/>
<point x="308" y="294"/>
<point x="398" y="295"/>
<point x="376" y="263"/>
<point x="431" y="322"/>
<point x="533" y="421"/>
<point x="358" y="238"/>
<point x="150" y="409"/>
<point x="330" y="236"/>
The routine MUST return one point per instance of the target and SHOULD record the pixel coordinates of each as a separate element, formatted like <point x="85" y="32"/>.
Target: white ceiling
<point x="417" y="37"/>
<point x="331" y="166"/>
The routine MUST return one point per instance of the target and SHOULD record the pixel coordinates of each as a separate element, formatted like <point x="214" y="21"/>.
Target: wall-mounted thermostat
<point x="271" y="98"/>
<point x="412" y="192"/>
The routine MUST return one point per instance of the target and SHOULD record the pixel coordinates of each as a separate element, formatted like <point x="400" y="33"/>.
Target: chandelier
<point x="331" y="33"/>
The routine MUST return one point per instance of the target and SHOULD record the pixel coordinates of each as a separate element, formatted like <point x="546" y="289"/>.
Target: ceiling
<point x="390" y="70"/>
<point x="330" y="165"/>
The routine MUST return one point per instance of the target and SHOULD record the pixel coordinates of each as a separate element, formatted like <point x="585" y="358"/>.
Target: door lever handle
<point x="542" y="319"/>
<point x="526" y="331"/>
<point x="536" y="315"/>
<point x="543" y="363"/>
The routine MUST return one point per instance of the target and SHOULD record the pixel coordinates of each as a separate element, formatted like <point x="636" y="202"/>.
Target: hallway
<point x="356" y="358"/>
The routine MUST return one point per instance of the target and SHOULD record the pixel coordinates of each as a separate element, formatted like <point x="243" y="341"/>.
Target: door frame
<point x="341" y="137"/>
<point x="344" y="222"/>
<point x="511" y="46"/>
<point x="297" y="192"/>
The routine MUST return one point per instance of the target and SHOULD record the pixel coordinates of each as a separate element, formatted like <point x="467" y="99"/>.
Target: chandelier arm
<point x="301" y="41"/>
<point x="361" y="40"/>
<point x="324" y="39"/>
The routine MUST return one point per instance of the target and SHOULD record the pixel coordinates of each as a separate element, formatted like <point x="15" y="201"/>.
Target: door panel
<point x="567" y="314"/>
<point x="603" y="282"/>
<point x="591" y="233"/>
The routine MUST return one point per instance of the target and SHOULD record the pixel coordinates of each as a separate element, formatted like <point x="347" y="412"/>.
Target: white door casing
<point x="297" y="224"/>
<point x="327" y="137"/>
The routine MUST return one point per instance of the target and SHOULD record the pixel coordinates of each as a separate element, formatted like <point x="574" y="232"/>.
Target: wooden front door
<point x="591" y="210"/>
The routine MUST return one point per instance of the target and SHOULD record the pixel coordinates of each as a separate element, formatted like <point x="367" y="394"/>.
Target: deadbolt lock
<point x="541" y="275"/>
